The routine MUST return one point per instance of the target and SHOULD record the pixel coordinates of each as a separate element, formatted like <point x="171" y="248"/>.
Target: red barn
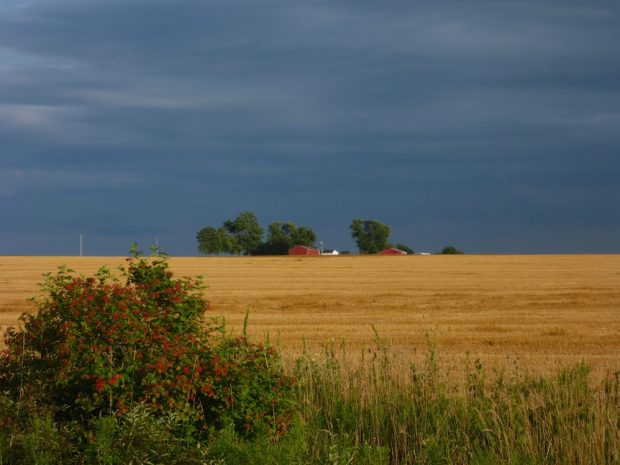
<point x="392" y="251"/>
<point x="303" y="250"/>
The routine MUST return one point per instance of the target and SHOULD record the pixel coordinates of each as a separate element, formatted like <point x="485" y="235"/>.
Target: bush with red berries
<point x="101" y="345"/>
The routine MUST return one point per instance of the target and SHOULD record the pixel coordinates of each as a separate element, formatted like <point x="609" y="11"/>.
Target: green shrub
<point x="100" y="345"/>
<point x="450" y="250"/>
<point x="140" y="437"/>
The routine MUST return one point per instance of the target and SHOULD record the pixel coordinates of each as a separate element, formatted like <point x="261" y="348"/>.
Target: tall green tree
<point x="245" y="232"/>
<point x="371" y="236"/>
<point x="213" y="240"/>
<point x="278" y="238"/>
<point x="304" y="236"/>
<point x="281" y="236"/>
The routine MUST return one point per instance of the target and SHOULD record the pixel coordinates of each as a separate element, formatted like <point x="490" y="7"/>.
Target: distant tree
<point x="371" y="236"/>
<point x="213" y="240"/>
<point x="229" y="245"/>
<point x="405" y="248"/>
<point x="245" y="233"/>
<point x="304" y="236"/>
<point x="278" y="240"/>
<point x="450" y="250"/>
<point x="208" y="241"/>
<point x="281" y="236"/>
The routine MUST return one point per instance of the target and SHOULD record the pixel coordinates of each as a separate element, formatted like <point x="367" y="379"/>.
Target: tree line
<point x="244" y="236"/>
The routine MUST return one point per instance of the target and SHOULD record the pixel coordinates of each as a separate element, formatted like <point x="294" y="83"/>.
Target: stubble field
<point x="537" y="312"/>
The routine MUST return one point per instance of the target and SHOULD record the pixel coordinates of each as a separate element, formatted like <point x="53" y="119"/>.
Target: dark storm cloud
<point x="490" y="124"/>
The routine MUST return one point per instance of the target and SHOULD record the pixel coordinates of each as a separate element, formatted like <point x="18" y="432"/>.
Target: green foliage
<point x="226" y="447"/>
<point x="29" y="434"/>
<point x="253" y="395"/>
<point x="282" y="236"/>
<point x="371" y="236"/>
<point x="139" y="437"/>
<point x="377" y="411"/>
<point x="245" y="232"/>
<point x="213" y="240"/>
<point x="450" y="250"/>
<point x="244" y="235"/>
<point x="100" y="345"/>
<point x="304" y="236"/>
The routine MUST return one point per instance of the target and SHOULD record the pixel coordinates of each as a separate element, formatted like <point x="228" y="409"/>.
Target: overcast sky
<point x="490" y="125"/>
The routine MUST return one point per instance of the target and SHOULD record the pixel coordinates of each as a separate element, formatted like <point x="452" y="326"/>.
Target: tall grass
<point x="379" y="411"/>
<point x="370" y="410"/>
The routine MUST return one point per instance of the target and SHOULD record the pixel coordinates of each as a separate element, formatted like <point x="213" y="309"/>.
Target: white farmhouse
<point x="330" y="252"/>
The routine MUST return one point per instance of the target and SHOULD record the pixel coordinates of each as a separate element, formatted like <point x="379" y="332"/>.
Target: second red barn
<point x="303" y="250"/>
<point x="392" y="251"/>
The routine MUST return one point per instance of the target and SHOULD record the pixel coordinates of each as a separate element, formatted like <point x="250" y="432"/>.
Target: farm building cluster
<point x="304" y="250"/>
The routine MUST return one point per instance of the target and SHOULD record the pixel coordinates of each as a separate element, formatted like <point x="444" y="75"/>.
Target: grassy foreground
<point x="373" y="412"/>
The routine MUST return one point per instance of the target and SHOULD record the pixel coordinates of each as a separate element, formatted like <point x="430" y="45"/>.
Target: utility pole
<point x="81" y="244"/>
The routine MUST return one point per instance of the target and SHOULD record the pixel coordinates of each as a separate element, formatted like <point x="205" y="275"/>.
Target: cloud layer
<point x="490" y="125"/>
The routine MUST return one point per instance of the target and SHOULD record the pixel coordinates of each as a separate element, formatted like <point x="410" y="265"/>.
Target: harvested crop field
<point x="538" y="312"/>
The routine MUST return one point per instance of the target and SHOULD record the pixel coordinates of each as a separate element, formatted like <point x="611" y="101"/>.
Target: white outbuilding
<point x="330" y="252"/>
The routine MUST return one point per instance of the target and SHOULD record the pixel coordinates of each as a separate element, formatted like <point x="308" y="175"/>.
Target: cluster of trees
<point x="244" y="236"/>
<point x="281" y="236"/>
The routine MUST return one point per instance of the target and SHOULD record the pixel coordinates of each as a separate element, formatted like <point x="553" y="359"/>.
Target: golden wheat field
<point x="539" y="312"/>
